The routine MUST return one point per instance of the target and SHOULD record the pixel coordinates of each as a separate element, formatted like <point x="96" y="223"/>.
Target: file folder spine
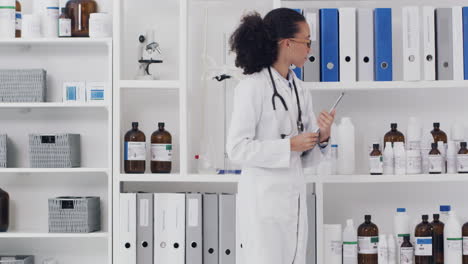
<point x="383" y="44"/>
<point x="329" y="45"/>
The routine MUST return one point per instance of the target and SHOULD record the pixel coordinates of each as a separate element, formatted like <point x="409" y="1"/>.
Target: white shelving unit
<point x="64" y="59"/>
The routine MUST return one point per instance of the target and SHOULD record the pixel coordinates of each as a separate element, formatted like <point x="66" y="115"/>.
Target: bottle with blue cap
<point x="444" y="212"/>
<point x="401" y="227"/>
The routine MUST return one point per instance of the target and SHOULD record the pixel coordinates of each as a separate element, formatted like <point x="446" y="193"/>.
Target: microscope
<point x="149" y="53"/>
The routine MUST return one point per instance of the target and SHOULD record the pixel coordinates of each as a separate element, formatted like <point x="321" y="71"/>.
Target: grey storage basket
<point x="3" y="151"/>
<point x="16" y="259"/>
<point x="54" y="150"/>
<point x="28" y="85"/>
<point x="68" y="214"/>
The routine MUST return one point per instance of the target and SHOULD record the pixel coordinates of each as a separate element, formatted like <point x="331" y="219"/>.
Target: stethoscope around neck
<point x="300" y="125"/>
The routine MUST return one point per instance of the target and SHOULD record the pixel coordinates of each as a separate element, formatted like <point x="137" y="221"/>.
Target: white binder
<point x="177" y="228"/>
<point x="127" y="223"/>
<point x="347" y="33"/>
<point x="365" y="44"/>
<point x="457" y="27"/>
<point x="428" y="43"/>
<point x="411" y="50"/>
<point x="161" y="228"/>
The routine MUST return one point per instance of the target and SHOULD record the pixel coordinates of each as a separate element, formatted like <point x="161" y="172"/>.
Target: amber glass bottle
<point x="161" y="150"/>
<point x="79" y="12"/>
<point x="435" y="160"/>
<point x="462" y="159"/>
<point x="376" y="161"/>
<point x="134" y="150"/>
<point x="394" y="135"/>
<point x="368" y="241"/>
<point x="406" y="251"/>
<point x="438" y="240"/>
<point x="4" y="211"/>
<point x="465" y="241"/>
<point x="423" y="242"/>
<point x="18" y="19"/>
<point x="438" y="134"/>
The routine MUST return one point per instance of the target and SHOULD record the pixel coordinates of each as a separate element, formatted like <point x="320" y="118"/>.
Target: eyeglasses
<point x="308" y="42"/>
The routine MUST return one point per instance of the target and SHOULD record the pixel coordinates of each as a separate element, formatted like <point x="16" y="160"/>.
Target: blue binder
<point x="298" y="71"/>
<point x="383" y="44"/>
<point x="329" y="45"/>
<point x="465" y="42"/>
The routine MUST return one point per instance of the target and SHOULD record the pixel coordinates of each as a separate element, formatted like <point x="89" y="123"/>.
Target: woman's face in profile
<point x="300" y="51"/>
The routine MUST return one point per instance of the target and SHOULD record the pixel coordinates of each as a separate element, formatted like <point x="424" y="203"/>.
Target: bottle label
<point x="435" y="163"/>
<point x="18" y="20"/>
<point x="406" y="255"/>
<point x="423" y="246"/>
<point x="135" y="151"/>
<point x="350" y="249"/>
<point x="7" y="13"/>
<point x="64" y="27"/>
<point x="400" y="165"/>
<point x="161" y="152"/>
<point x="413" y="163"/>
<point x="454" y="243"/>
<point x="465" y="246"/>
<point x="336" y="248"/>
<point x="388" y="164"/>
<point x="462" y="163"/>
<point x="376" y="164"/>
<point x="368" y="245"/>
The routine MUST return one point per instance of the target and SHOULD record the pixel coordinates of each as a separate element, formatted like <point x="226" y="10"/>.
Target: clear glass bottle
<point x="423" y="242"/>
<point x="18" y="19"/>
<point x="394" y="135"/>
<point x="79" y="12"/>
<point x="135" y="150"/>
<point x="438" y="134"/>
<point x="438" y="240"/>
<point x="368" y="241"/>
<point x="4" y="211"/>
<point x="64" y="24"/>
<point x="161" y="150"/>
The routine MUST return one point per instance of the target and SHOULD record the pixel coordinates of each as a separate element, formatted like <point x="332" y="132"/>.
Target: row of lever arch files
<point x="356" y="44"/>
<point x="177" y="228"/>
<point x="191" y="228"/>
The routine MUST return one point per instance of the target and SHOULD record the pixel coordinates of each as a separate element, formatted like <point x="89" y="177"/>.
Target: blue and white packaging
<point x="74" y="92"/>
<point x="96" y="91"/>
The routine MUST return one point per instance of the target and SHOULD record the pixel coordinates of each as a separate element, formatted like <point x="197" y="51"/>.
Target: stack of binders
<point x="54" y="151"/>
<point x="28" y="85"/>
<point x="3" y="151"/>
<point x="177" y="228"/>
<point x="74" y="214"/>
<point x="355" y="44"/>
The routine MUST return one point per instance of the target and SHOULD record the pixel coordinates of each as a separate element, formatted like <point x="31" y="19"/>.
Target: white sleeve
<point x="313" y="157"/>
<point x="243" y="147"/>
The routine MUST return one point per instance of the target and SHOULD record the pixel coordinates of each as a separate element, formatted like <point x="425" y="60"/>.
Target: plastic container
<point x="333" y="244"/>
<point x="347" y="149"/>
<point x="451" y="157"/>
<point x="400" y="158"/>
<point x="401" y="226"/>
<point x="7" y="19"/>
<point x="388" y="159"/>
<point x="392" y="250"/>
<point x="100" y="25"/>
<point x="31" y="27"/>
<point x="383" y="249"/>
<point x="50" y="19"/>
<point x="453" y="240"/>
<point x="350" y="243"/>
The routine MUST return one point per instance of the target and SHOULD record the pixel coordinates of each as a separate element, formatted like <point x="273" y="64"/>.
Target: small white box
<point x="95" y="91"/>
<point x="74" y="92"/>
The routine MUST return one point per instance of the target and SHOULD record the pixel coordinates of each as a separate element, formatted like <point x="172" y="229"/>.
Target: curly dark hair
<point x="255" y="41"/>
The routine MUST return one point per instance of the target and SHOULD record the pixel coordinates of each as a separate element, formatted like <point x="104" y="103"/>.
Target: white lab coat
<point x="272" y="188"/>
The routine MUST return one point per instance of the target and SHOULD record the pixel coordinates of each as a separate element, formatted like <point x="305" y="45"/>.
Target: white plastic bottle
<point x="350" y="243"/>
<point x="333" y="244"/>
<point x="443" y="152"/>
<point x="388" y="159"/>
<point x="413" y="150"/>
<point x="346" y="150"/>
<point x="383" y="250"/>
<point x="444" y="212"/>
<point x="453" y="250"/>
<point x="413" y="161"/>
<point x="401" y="227"/>
<point x="426" y="141"/>
<point x="392" y="250"/>
<point x="451" y="157"/>
<point x="334" y="149"/>
<point x="400" y="158"/>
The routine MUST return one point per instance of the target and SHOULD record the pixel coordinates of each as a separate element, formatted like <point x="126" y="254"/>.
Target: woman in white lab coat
<point x="272" y="137"/>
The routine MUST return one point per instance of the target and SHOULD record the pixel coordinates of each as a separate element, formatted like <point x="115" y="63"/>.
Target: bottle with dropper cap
<point x="368" y="241"/>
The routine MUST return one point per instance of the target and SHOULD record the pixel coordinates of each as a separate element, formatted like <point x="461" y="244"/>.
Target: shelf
<point x="369" y="86"/>
<point x="392" y="178"/>
<point x="213" y="178"/>
<point x="53" y="170"/>
<point x="156" y="84"/>
<point x="52" y="105"/>
<point x="17" y="234"/>
<point x="58" y="41"/>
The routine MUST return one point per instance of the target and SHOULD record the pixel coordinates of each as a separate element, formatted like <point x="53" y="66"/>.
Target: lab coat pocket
<point x="278" y="203"/>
